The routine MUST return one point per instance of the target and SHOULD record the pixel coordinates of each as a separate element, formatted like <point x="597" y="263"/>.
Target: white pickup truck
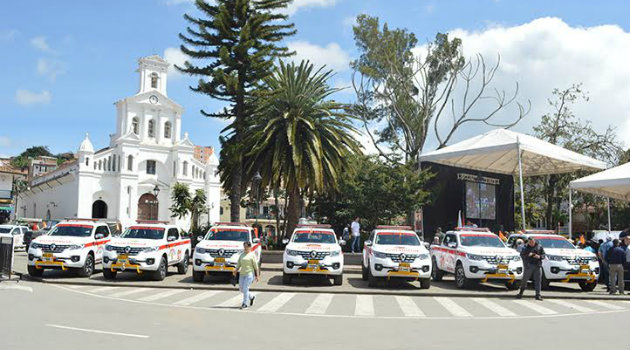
<point x="476" y="255"/>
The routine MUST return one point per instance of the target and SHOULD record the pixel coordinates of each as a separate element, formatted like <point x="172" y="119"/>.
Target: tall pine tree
<point x="235" y="43"/>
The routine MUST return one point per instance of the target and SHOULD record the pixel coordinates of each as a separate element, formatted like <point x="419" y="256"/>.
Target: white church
<point x="131" y="179"/>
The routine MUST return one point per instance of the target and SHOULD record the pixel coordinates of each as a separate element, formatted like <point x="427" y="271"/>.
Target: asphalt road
<point x="72" y="317"/>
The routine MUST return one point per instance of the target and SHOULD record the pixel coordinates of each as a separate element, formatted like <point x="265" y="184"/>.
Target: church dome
<point x="86" y="145"/>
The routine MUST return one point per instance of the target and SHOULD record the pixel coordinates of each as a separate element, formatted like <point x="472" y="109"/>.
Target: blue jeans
<point x="355" y="243"/>
<point x="244" y="281"/>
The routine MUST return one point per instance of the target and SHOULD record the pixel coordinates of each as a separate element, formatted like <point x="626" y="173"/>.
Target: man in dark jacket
<point x="616" y="258"/>
<point x="532" y="255"/>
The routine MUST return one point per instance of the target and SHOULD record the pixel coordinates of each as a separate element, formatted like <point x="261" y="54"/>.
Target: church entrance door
<point x="148" y="207"/>
<point x="99" y="209"/>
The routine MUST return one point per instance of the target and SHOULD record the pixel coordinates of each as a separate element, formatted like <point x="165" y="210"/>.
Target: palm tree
<point x="197" y="206"/>
<point x="180" y="197"/>
<point x="299" y="140"/>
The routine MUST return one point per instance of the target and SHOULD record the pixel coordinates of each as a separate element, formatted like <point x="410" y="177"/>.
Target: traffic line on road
<point x="197" y="298"/>
<point x="606" y="305"/>
<point x="128" y="292"/>
<point x="16" y="287"/>
<point x="494" y="307"/>
<point x="364" y="306"/>
<point x="320" y="304"/>
<point x="408" y="307"/>
<point x="234" y="301"/>
<point x="535" y="307"/>
<point x="101" y="289"/>
<point x="569" y="305"/>
<point x="276" y="303"/>
<point x="98" y="331"/>
<point x="162" y="295"/>
<point x="452" y="307"/>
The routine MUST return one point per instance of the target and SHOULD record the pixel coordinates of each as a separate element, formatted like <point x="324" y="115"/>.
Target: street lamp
<point x="210" y="207"/>
<point x="156" y="192"/>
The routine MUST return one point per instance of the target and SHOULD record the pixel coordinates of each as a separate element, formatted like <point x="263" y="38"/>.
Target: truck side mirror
<point x="368" y="243"/>
<point x="285" y="241"/>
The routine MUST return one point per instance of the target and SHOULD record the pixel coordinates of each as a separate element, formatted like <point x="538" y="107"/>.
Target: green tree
<point x="235" y="43"/>
<point x="300" y="140"/>
<point x="197" y="206"/>
<point x="181" y="200"/>
<point x="22" y="160"/>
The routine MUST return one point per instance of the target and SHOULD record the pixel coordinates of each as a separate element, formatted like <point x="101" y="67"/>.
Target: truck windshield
<point x="71" y="230"/>
<point x="5" y="229"/>
<point x="555" y="242"/>
<point x="481" y="241"/>
<point x="314" y="237"/>
<point x="228" y="235"/>
<point x="397" y="239"/>
<point x="144" y="233"/>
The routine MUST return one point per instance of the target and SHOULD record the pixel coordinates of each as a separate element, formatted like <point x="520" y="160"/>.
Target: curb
<point x="343" y="292"/>
<point x="279" y="269"/>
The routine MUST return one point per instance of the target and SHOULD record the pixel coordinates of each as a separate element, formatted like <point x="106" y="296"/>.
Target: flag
<point x="459" y="219"/>
<point x="502" y="236"/>
<point x="582" y="240"/>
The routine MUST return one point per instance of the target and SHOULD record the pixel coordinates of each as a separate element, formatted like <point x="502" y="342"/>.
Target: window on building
<point x="151" y="167"/>
<point x="154" y="80"/>
<point x="135" y="125"/>
<point x="174" y="168"/>
<point x="100" y="164"/>
<point x="109" y="163"/>
<point x="130" y="163"/>
<point x="87" y="161"/>
<point x="221" y="210"/>
<point x="167" y="130"/>
<point x="151" y="128"/>
<point x="185" y="168"/>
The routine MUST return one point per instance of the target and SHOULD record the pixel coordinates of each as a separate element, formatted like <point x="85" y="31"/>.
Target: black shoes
<point x="539" y="298"/>
<point x="251" y="301"/>
<point x="519" y="296"/>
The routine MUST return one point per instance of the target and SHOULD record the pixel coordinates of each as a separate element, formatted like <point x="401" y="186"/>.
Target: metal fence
<point x="6" y="256"/>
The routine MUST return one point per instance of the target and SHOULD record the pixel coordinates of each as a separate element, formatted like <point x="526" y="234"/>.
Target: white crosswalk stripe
<point x="162" y="295"/>
<point x="606" y="305"/>
<point x="197" y="298"/>
<point x="276" y="303"/>
<point x="234" y="301"/>
<point x="535" y="306"/>
<point x="408" y="307"/>
<point x="494" y="307"/>
<point x="569" y="305"/>
<point x="452" y="307"/>
<point x="320" y="304"/>
<point x="131" y="291"/>
<point x="101" y="289"/>
<point x="364" y="306"/>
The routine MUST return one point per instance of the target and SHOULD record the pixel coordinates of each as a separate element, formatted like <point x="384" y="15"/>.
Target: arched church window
<point x="134" y="125"/>
<point x="185" y="168"/>
<point x="151" y="128"/>
<point x="167" y="130"/>
<point x="100" y="164"/>
<point x="87" y="161"/>
<point x="130" y="163"/>
<point x="154" y="80"/>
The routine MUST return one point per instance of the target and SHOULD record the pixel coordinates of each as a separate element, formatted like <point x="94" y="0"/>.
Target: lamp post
<point x="256" y="183"/>
<point x="156" y="192"/>
<point x="210" y="207"/>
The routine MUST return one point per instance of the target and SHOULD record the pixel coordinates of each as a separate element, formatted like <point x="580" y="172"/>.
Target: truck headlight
<point x="109" y="248"/>
<point x="150" y="249"/>
<point x="379" y="255"/>
<point x="474" y="256"/>
<point x="76" y="246"/>
<point x="423" y="256"/>
<point x="292" y="252"/>
<point x="554" y="257"/>
<point x="516" y="258"/>
<point x="335" y="253"/>
<point x="36" y="245"/>
<point x="200" y="250"/>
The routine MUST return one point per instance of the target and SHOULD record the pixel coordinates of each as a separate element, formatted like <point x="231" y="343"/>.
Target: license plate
<point x="313" y="262"/>
<point x="219" y="260"/>
<point x="584" y="269"/>
<point x="48" y="256"/>
<point x="404" y="267"/>
<point x="502" y="269"/>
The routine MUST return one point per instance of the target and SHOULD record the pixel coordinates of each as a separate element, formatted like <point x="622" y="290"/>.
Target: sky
<point x="64" y="63"/>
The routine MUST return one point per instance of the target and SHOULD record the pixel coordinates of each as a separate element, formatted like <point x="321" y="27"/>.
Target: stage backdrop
<point x="486" y="199"/>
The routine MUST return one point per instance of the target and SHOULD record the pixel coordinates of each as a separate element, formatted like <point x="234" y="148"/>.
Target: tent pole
<point x="609" y="225"/>
<point x="570" y="215"/>
<point x="520" y="178"/>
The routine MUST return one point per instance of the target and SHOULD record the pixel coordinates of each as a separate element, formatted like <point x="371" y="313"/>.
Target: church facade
<point x="132" y="178"/>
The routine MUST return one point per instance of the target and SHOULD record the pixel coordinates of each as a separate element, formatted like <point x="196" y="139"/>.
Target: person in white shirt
<point x="356" y="235"/>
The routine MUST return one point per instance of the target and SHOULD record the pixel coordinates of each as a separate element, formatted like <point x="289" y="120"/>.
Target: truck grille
<point x="122" y="250"/>
<point x="314" y="255"/>
<point x="578" y="261"/>
<point x="499" y="259"/>
<point x="221" y="253"/>
<point x="408" y="258"/>
<point x="53" y="248"/>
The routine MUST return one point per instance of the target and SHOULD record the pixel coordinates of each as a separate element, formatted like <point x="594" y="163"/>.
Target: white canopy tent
<point x="611" y="183"/>
<point x="509" y="152"/>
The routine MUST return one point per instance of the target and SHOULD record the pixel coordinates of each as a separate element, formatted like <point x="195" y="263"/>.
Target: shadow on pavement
<point x="397" y="284"/>
<point x="302" y="281"/>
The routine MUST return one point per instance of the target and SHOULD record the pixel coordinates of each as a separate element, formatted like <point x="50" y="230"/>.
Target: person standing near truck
<point x="532" y="255"/>
<point x="248" y="271"/>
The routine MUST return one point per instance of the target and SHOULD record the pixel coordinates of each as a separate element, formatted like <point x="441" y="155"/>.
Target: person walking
<point x="601" y="254"/>
<point x="248" y="271"/>
<point x="355" y="228"/>
<point x="532" y="255"/>
<point x="616" y="258"/>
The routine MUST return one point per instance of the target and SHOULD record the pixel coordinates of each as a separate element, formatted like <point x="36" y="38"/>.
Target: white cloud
<point x="547" y="53"/>
<point x="50" y="68"/>
<point x="8" y="34"/>
<point x="25" y="97"/>
<point x="331" y="55"/>
<point x="297" y="5"/>
<point x="174" y="56"/>
<point x="5" y="141"/>
<point x="40" y="43"/>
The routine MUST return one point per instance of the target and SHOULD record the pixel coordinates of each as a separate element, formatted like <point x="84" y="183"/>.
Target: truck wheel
<point x="198" y="276"/>
<point x="182" y="267"/>
<point x="338" y="280"/>
<point x="544" y="282"/>
<point x="286" y="278"/>
<point x="460" y="277"/>
<point x="108" y="274"/>
<point x="34" y="272"/>
<point x="372" y="281"/>
<point x="88" y="268"/>
<point x="436" y="273"/>
<point x="513" y="285"/>
<point x="425" y="283"/>
<point x="364" y="273"/>
<point x="588" y="286"/>
<point x="160" y="274"/>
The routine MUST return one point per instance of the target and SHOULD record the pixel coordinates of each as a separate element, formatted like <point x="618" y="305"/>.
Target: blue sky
<point x="64" y="63"/>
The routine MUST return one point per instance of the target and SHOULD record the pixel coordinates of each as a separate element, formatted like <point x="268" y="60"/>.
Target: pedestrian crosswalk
<point x="367" y="306"/>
